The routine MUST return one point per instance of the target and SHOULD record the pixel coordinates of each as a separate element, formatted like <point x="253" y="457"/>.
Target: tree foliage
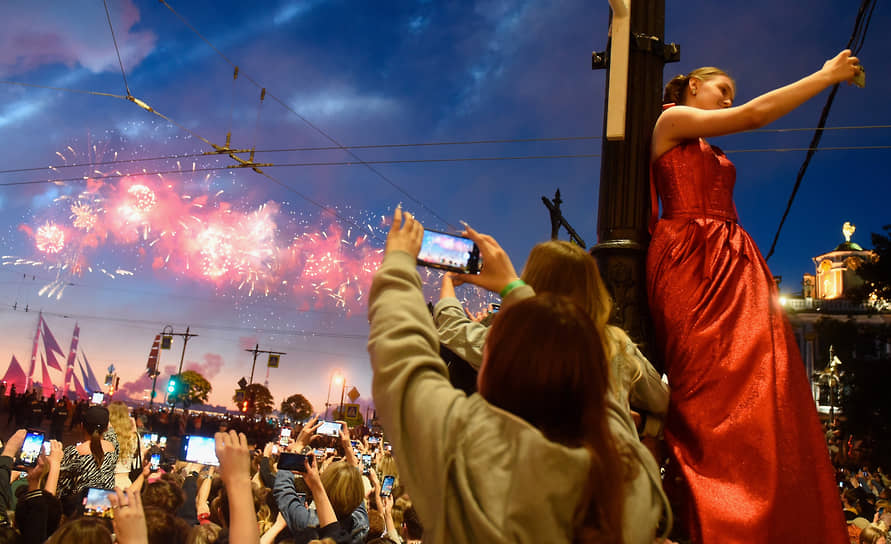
<point x="198" y="386"/>
<point x="297" y="407"/>
<point x="260" y="401"/>
<point x="876" y="273"/>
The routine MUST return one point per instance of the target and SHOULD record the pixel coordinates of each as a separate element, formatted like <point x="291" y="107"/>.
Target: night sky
<point x="284" y="258"/>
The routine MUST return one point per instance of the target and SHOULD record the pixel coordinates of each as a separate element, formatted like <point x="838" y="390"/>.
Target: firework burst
<point x="50" y="238"/>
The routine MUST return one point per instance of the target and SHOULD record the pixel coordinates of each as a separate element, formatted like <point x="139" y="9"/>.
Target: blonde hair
<point x="676" y="89"/>
<point x="343" y="484"/>
<point x="387" y="466"/>
<point x="119" y="418"/>
<point x="563" y="268"/>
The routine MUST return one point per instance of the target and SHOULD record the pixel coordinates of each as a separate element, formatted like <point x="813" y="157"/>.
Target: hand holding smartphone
<point x="295" y="462"/>
<point x="387" y="485"/>
<point x="31" y="447"/>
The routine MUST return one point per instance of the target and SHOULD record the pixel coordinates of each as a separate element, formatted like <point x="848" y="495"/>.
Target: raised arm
<point x="683" y="123"/>
<point x="235" y="471"/>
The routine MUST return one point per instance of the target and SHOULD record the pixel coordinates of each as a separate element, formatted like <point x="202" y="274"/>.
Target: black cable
<point x="818" y="135"/>
<point x="116" y="50"/>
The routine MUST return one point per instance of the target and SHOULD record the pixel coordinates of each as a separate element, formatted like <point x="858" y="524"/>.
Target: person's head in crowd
<point x="872" y="535"/>
<point x="119" y="418"/>
<point x="412" y="524"/>
<point x="164" y="527"/>
<point x="8" y="535"/>
<point x="387" y="466"/>
<point x="562" y="391"/>
<point x="376" y="525"/>
<point x="94" y="423"/>
<point x="563" y="268"/>
<point x="206" y="533"/>
<point x="265" y="513"/>
<point x="343" y="484"/>
<point x="49" y="513"/>
<point x="163" y="494"/>
<point x="86" y="530"/>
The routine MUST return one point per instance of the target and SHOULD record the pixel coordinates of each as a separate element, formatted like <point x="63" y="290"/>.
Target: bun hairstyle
<point x="676" y="89"/>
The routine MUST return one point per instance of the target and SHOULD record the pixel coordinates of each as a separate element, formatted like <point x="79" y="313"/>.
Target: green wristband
<point x="511" y="286"/>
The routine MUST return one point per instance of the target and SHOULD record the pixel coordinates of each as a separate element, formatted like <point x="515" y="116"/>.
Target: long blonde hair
<point x="119" y="417"/>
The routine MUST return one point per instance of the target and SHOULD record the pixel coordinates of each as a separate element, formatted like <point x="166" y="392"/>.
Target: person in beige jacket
<point x="564" y="268"/>
<point x="477" y="472"/>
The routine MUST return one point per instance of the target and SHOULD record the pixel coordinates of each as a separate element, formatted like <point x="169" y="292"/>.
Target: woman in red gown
<point x="749" y="463"/>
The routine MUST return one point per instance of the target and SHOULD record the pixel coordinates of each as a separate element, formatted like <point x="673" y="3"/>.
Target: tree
<point x="876" y="273"/>
<point x="197" y="386"/>
<point x="259" y="399"/>
<point x="296" y="407"/>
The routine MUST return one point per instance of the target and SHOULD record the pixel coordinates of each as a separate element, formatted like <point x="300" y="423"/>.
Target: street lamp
<point x="336" y="377"/>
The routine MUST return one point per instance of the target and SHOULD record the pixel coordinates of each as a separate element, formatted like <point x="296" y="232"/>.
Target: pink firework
<point x="83" y="215"/>
<point x="143" y="198"/>
<point x="50" y="238"/>
<point x="216" y="252"/>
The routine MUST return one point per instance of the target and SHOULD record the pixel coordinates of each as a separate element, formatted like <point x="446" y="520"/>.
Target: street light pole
<point x="342" y="389"/>
<point x="339" y="377"/>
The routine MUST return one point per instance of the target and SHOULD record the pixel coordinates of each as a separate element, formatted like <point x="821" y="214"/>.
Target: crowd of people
<point x="567" y="433"/>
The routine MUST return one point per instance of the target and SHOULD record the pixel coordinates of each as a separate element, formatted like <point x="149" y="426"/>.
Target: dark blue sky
<point x="365" y="73"/>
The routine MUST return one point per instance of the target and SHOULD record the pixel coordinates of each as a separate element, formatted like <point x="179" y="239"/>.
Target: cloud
<point x="211" y="366"/>
<point x="342" y="102"/>
<point x="291" y="10"/>
<point x="34" y="34"/>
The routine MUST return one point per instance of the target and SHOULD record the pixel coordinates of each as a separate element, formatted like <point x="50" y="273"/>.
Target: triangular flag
<point x="152" y="364"/>
<point x="15" y="375"/>
<point x="51" y="346"/>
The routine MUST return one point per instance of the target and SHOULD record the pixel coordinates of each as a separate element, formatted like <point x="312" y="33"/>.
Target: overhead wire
<point x="118" y="175"/>
<point x="116" y="50"/>
<point x="858" y="37"/>
<point x="310" y="124"/>
<point x="177" y="156"/>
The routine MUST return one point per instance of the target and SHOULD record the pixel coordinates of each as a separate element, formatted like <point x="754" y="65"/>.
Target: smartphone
<point x="285" y="437"/>
<point x="155" y="462"/>
<point x="162" y="441"/>
<point x="387" y="485"/>
<point x="47" y="448"/>
<point x="292" y="461"/>
<point x="274" y="449"/>
<point x="449" y="252"/>
<point x="154" y="438"/>
<point x="98" y="398"/>
<point x="147" y="439"/>
<point x="387" y="446"/>
<point x="319" y="453"/>
<point x="27" y="457"/>
<point x="329" y="428"/>
<point x="373" y="440"/>
<point x="96" y="502"/>
<point x="199" y="449"/>
<point x="354" y="443"/>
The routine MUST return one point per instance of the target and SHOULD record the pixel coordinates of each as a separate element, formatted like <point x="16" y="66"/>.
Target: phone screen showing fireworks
<point x="98" y="398"/>
<point x="154" y="438"/>
<point x="155" y="462"/>
<point x="162" y="442"/>
<point x="30" y="449"/>
<point x="199" y="449"/>
<point x="285" y="437"/>
<point x="387" y="486"/>
<point x="449" y="252"/>
<point x="96" y="503"/>
<point x="329" y="428"/>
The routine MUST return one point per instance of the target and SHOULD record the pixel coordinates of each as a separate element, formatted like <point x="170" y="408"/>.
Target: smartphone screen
<point x="162" y="441"/>
<point x="199" y="449"/>
<point x="47" y="448"/>
<point x="286" y="431"/>
<point x="30" y="449"/>
<point x="329" y="428"/>
<point x="154" y="438"/>
<point x="274" y="450"/>
<point x="155" y="462"/>
<point x="292" y="461"/>
<point x="449" y="252"/>
<point x="98" y="398"/>
<point x="373" y="440"/>
<point x="147" y="439"/>
<point x="387" y="486"/>
<point x="96" y="502"/>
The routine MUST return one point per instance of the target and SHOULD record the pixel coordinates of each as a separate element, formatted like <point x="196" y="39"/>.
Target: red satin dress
<point x="749" y="462"/>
